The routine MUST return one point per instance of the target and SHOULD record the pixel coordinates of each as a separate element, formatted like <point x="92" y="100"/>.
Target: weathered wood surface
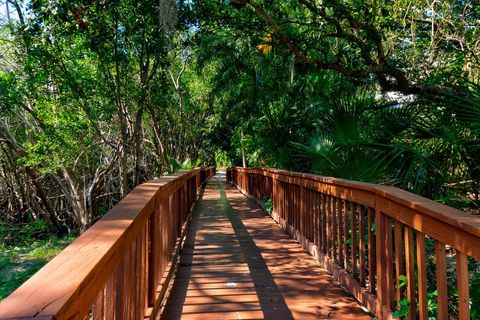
<point x="237" y="264"/>
<point x="372" y="235"/>
<point x="104" y="273"/>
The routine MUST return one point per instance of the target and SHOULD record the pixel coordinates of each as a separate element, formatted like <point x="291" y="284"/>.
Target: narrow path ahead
<point x="238" y="264"/>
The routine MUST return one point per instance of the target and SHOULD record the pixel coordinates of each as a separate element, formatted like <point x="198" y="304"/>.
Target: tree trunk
<point x="138" y="138"/>
<point x="77" y="201"/>
<point x="244" y="161"/>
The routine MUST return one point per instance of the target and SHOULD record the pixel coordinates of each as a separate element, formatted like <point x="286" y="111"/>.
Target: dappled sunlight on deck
<point x="238" y="264"/>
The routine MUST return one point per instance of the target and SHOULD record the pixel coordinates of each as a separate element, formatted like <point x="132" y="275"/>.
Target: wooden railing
<point x="120" y="267"/>
<point x="375" y="240"/>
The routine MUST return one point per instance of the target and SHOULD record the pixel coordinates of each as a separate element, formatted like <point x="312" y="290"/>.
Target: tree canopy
<point x="97" y="96"/>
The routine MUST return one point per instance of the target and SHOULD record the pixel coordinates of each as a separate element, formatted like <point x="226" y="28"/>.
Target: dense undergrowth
<point x="24" y="250"/>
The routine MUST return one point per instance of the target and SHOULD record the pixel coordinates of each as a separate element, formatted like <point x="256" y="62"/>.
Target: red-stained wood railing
<point x="373" y="238"/>
<point x="120" y="267"/>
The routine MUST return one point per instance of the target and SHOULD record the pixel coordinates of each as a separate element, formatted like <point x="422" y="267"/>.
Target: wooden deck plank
<point x="238" y="264"/>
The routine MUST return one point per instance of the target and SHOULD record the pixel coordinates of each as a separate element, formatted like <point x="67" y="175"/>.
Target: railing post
<point x="154" y="260"/>
<point x="302" y="211"/>
<point x="371" y="251"/>
<point x="380" y="255"/>
<point x="410" y="271"/>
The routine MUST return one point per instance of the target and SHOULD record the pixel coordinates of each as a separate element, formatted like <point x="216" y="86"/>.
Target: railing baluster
<point x="422" y="276"/>
<point x="441" y="273"/>
<point x="323" y="214"/>
<point x="310" y="215"/>
<point x="120" y="289"/>
<point x="287" y="204"/>
<point x="462" y="284"/>
<point x="297" y="208"/>
<point x="178" y="212"/>
<point x="333" y="205"/>
<point x="328" y="214"/>
<point x="353" y="237"/>
<point x="138" y="305"/>
<point x="346" y="226"/>
<point x="410" y="270"/>
<point x="145" y="262"/>
<point x="172" y="222"/>
<point x="131" y="281"/>
<point x="154" y="259"/>
<point x="110" y="298"/>
<point x="302" y="211"/>
<point x="389" y="277"/>
<point x="99" y="306"/>
<point x="361" y="234"/>
<point x="305" y="200"/>
<point x="338" y="207"/>
<point x="372" y="274"/>
<point x="164" y="224"/>
<point x="381" y="261"/>
<point x="316" y="220"/>
<point x="281" y="200"/>
<point x="397" y="230"/>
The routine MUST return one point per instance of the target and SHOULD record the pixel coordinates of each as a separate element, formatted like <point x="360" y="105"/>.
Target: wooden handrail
<point x="120" y="267"/>
<point x="372" y="238"/>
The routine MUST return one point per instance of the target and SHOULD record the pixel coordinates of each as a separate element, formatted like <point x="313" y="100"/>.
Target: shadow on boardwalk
<point x="238" y="264"/>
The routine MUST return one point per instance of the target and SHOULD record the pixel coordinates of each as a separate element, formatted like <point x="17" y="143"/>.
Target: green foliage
<point x="475" y="296"/>
<point x="402" y="281"/>
<point x="432" y="305"/>
<point x="187" y="164"/>
<point x="23" y="234"/>
<point x="402" y="310"/>
<point x="267" y="203"/>
<point x="18" y="263"/>
<point x="222" y="160"/>
<point x="298" y="117"/>
<point x="24" y="250"/>
<point x="474" y="282"/>
<point x="403" y="307"/>
<point x="342" y="145"/>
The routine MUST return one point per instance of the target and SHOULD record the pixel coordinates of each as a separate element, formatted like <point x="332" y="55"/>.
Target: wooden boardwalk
<point x="238" y="264"/>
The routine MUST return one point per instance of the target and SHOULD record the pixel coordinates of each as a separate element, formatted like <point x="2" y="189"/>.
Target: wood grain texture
<point x="441" y="273"/>
<point x="339" y="275"/>
<point x="389" y="253"/>
<point x="381" y="262"/>
<point x="333" y="220"/>
<point x="364" y="193"/>
<point x="353" y="239"/>
<point x="410" y="272"/>
<point x="346" y="227"/>
<point x="389" y="260"/>
<point x="361" y="235"/>
<point x="422" y="276"/>
<point x="372" y="273"/>
<point x="68" y="286"/>
<point x="237" y="264"/>
<point x="463" y="289"/>
<point x="340" y="240"/>
<point x="399" y="265"/>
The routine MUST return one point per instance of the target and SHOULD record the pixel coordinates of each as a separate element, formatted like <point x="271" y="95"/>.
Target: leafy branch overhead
<point x="354" y="39"/>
